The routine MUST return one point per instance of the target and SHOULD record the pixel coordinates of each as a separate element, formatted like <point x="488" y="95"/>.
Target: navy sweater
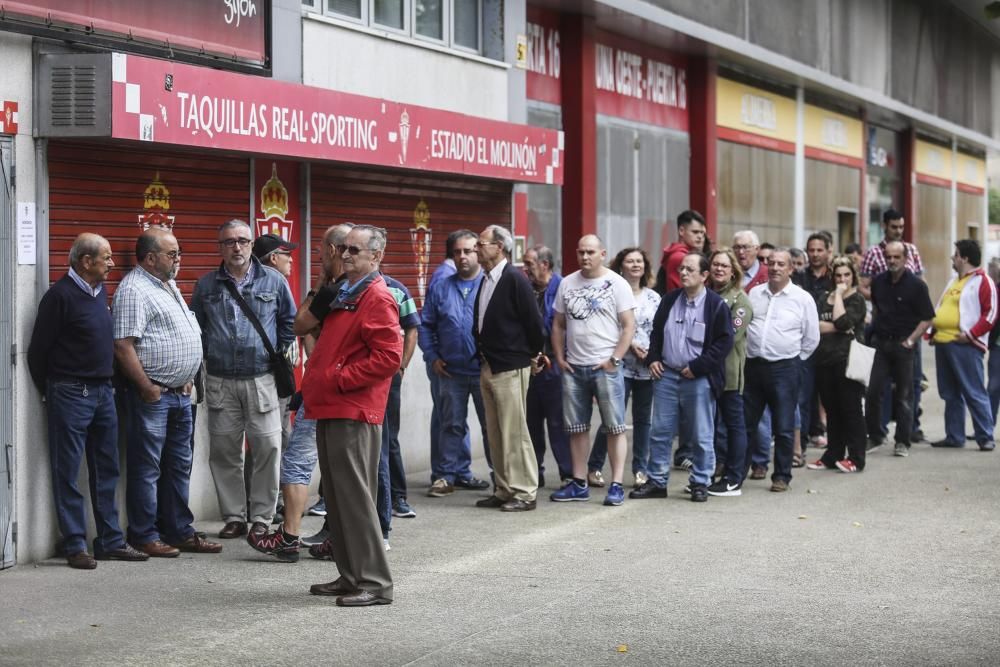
<point x="716" y="346"/>
<point x="73" y="335"/>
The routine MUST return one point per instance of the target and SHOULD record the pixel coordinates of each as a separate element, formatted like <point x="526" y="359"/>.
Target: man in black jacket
<point x="509" y="339"/>
<point x="692" y="335"/>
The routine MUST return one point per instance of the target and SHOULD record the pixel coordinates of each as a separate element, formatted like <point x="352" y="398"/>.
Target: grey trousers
<point x="348" y="457"/>
<point x="238" y="408"/>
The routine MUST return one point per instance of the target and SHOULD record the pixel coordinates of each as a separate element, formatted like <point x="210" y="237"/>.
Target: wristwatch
<point x="616" y="361"/>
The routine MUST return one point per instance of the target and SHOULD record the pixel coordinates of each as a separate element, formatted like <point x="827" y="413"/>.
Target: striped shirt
<point x="874" y="260"/>
<point x="168" y="338"/>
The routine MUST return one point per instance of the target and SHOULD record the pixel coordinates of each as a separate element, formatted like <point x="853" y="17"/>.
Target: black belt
<point x="168" y="389"/>
<point x="77" y="378"/>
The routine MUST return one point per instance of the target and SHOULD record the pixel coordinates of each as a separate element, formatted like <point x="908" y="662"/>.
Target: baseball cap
<point x="268" y="243"/>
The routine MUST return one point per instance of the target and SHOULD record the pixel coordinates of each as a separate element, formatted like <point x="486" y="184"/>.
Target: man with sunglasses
<point x="241" y="395"/>
<point x="345" y="388"/>
<point x="158" y="348"/>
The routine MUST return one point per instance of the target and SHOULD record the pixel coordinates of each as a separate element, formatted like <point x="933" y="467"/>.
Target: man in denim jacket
<point x="240" y="390"/>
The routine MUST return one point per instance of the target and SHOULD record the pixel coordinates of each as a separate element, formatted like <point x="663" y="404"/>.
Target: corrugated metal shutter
<point x="7" y="249"/>
<point x="102" y="188"/>
<point x="401" y="202"/>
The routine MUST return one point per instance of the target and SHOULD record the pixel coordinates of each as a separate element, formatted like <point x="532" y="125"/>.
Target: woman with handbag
<point x="841" y="320"/>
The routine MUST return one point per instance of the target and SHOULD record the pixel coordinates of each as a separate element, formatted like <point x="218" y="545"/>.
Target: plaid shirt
<point x="874" y="261"/>
<point x="168" y="338"/>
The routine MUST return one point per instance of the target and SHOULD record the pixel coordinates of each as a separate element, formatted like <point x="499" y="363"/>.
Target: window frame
<point x="407" y="23"/>
<point x="479" y="29"/>
<point x="445" y="14"/>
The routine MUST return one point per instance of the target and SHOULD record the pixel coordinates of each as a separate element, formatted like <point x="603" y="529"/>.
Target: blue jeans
<point x="390" y="434"/>
<point x="673" y="395"/>
<point x="994" y="383"/>
<point x="383" y="499"/>
<point x="774" y="384"/>
<point x="436" y="419"/>
<point x="960" y="384"/>
<point x="83" y="422"/>
<point x="579" y="390"/>
<point x="731" y="436"/>
<point x="641" y="392"/>
<point x="298" y="460"/>
<point x="454" y="460"/>
<point x="759" y="439"/>
<point x="543" y="411"/>
<point x="158" y="458"/>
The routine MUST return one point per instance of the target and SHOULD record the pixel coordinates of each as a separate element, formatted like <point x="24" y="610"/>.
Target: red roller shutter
<point x="403" y="202"/>
<point x="103" y="189"/>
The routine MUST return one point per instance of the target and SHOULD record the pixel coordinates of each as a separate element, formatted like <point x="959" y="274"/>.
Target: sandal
<point x="798" y="460"/>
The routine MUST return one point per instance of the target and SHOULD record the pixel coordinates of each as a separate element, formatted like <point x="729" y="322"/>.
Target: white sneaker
<point x="385" y="541"/>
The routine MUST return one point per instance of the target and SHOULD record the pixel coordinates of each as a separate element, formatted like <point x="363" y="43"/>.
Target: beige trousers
<point x="514" y="464"/>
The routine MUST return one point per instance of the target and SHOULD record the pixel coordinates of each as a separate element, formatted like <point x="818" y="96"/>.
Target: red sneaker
<point x="276" y="545"/>
<point x="847" y="465"/>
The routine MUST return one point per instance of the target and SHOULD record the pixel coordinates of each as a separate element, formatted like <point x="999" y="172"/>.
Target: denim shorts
<point x="299" y="458"/>
<point x="579" y="389"/>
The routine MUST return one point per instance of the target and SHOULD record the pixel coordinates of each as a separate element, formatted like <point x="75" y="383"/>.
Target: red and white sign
<point x="640" y="83"/>
<point x="8" y="118"/>
<point x="276" y="207"/>
<point x="173" y="103"/>
<point x="229" y="28"/>
<point x="542" y="77"/>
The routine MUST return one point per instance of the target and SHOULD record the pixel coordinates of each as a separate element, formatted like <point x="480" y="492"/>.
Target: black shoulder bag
<point x="284" y="373"/>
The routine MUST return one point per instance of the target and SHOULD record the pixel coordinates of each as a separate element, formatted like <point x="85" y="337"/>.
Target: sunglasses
<point x="353" y="250"/>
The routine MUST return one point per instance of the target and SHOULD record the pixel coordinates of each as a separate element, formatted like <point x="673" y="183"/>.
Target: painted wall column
<point x="701" y="103"/>
<point x="908" y="173"/>
<point x="577" y="78"/>
<point x="799" y="189"/>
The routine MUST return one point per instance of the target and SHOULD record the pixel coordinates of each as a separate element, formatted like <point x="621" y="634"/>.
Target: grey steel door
<point x="8" y="247"/>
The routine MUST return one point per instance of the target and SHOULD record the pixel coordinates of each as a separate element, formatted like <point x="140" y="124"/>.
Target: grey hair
<point x="235" y="222"/>
<point x="544" y="254"/>
<point x="503" y="237"/>
<point x="85" y="245"/>
<point x="749" y="233"/>
<point x="336" y="234"/>
<point x="377" y="238"/>
<point x="794" y="253"/>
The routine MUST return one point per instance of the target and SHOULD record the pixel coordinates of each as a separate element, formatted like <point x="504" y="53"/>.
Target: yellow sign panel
<point x="971" y="171"/>
<point x="834" y="132"/>
<point x="932" y="160"/>
<point x="755" y="111"/>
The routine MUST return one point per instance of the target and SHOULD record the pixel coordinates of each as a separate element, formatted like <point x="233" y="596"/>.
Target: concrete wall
<point x="358" y="61"/>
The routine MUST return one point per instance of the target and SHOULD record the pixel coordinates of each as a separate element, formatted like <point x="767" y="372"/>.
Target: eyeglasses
<point x="742" y="248"/>
<point x="352" y="249"/>
<point x="231" y="243"/>
<point x="174" y="255"/>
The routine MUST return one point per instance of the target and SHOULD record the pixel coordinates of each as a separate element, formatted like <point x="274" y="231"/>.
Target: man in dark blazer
<point x="507" y="328"/>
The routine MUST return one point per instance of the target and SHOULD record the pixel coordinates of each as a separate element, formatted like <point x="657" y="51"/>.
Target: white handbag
<point x="860" y="359"/>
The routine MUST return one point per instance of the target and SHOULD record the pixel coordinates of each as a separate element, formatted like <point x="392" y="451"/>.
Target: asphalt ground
<point x="896" y="565"/>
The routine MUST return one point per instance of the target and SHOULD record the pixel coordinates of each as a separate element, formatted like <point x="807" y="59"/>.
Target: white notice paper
<point x="26" y="246"/>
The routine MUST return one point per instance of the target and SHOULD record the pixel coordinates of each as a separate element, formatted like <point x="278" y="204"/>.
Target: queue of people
<point x="739" y="354"/>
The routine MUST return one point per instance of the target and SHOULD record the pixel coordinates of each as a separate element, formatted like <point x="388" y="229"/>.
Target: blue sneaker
<point x="616" y="495"/>
<point x="571" y="491"/>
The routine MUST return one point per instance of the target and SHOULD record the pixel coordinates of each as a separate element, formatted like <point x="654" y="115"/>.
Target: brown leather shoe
<point x="233" y="529"/>
<point x="81" y="561"/>
<point x="490" y="503"/>
<point x="518" y="505"/>
<point x="779" y="486"/>
<point x="758" y="472"/>
<point x="258" y="528"/>
<point x="361" y="599"/>
<point x="157" y="549"/>
<point x="125" y="552"/>
<point x="337" y="588"/>
<point x="198" y="545"/>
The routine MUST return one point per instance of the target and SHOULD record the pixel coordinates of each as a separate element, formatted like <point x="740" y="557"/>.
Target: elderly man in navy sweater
<point x="70" y="358"/>
<point x="692" y="335"/>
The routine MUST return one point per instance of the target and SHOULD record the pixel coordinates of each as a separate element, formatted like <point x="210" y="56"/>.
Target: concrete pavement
<point x="896" y="566"/>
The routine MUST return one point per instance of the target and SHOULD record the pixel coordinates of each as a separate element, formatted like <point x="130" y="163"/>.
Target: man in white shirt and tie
<point x="784" y="332"/>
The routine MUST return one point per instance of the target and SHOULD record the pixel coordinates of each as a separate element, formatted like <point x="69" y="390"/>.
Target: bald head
<point x="90" y="257"/>
<point x="328" y="255"/>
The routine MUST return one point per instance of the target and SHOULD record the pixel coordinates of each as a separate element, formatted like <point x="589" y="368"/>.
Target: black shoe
<point x="699" y="493"/>
<point x="517" y="505"/>
<point x="541" y="479"/>
<point x="649" y="490"/>
<point x="724" y="488"/>
<point x="472" y="483"/>
<point x="917" y="436"/>
<point x="361" y="599"/>
<point x="491" y="503"/>
<point x="873" y="443"/>
<point x="948" y="444"/>
<point x="125" y="552"/>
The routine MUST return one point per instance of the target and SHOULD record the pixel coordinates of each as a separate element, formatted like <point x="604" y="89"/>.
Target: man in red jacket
<point x="345" y="388"/>
<point x="690" y="238"/>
